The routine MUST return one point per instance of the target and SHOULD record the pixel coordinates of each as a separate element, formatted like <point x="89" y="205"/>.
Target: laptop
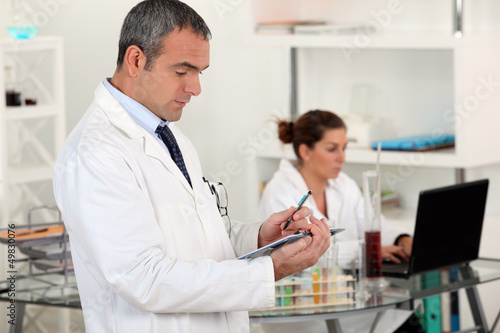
<point x="447" y="230"/>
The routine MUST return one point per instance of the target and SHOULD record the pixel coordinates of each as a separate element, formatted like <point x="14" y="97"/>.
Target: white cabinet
<point x="428" y="83"/>
<point x="417" y="82"/>
<point x="30" y="135"/>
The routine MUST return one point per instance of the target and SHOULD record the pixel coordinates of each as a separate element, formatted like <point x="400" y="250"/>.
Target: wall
<point x="4" y="16"/>
<point x="229" y="96"/>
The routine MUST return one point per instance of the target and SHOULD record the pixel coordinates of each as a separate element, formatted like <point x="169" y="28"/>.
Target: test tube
<point x="288" y="291"/>
<point x="371" y="194"/>
<point x="280" y="297"/>
<point x="333" y="262"/>
<point x="316" y="288"/>
<point x="324" y="284"/>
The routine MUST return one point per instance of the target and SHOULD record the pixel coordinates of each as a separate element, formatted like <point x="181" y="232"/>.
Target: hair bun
<point x="285" y="131"/>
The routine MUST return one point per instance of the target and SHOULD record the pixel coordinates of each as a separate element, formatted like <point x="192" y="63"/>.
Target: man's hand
<point x="272" y="229"/>
<point x="303" y="253"/>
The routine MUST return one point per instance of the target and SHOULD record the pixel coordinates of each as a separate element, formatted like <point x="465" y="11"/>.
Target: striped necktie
<point x="168" y="138"/>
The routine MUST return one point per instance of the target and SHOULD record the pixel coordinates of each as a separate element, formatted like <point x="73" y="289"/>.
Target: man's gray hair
<point x="151" y="20"/>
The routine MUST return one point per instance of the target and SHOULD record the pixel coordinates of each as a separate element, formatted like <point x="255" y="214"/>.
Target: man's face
<point x="175" y="75"/>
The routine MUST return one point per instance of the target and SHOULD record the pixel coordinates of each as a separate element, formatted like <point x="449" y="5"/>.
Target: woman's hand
<point x="407" y="243"/>
<point x="395" y="253"/>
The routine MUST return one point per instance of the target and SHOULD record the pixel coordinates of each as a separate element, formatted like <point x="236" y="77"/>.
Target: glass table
<point x="479" y="271"/>
<point x="38" y="289"/>
<point x="58" y="290"/>
<point x="374" y="302"/>
<point x="400" y="294"/>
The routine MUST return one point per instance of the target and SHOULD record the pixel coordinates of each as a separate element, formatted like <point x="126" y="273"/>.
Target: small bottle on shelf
<point x="29" y="92"/>
<point x="12" y="93"/>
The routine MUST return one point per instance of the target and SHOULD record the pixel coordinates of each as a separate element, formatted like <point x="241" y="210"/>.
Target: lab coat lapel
<point x="121" y="120"/>
<point x="152" y="149"/>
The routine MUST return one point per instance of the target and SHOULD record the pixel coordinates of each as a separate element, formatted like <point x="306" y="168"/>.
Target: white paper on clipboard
<point x="266" y="250"/>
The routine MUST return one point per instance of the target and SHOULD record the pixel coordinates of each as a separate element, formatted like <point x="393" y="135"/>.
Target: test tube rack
<point x="319" y="290"/>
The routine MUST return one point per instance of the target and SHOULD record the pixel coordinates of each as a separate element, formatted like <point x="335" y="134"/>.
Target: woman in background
<point x="319" y="140"/>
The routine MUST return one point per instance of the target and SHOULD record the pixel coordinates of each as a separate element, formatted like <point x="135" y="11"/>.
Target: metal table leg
<point x="18" y="327"/>
<point x="333" y="326"/>
<point x="495" y="323"/>
<point x="375" y="321"/>
<point x="477" y="309"/>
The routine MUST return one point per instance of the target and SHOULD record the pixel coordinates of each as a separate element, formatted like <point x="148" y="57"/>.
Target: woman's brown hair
<point x="308" y="129"/>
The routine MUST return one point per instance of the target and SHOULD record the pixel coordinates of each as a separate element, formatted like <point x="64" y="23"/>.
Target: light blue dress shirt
<point x="141" y="115"/>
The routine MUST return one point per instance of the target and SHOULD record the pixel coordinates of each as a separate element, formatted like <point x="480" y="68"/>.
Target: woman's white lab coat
<point x="345" y="207"/>
<point x="151" y="254"/>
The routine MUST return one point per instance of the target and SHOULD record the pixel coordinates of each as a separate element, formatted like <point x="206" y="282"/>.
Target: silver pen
<point x="301" y="202"/>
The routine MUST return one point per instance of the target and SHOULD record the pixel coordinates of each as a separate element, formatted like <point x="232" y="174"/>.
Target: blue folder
<point x="417" y="142"/>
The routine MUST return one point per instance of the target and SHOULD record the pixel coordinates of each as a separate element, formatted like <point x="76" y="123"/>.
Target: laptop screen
<point x="448" y="225"/>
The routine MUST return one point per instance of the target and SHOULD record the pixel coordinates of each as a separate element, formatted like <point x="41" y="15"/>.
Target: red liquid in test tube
<point x="373" y="254"/>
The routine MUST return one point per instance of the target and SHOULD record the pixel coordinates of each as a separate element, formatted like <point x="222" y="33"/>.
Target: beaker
<point x="12" y="92"/>
<point x="21" y="24"/>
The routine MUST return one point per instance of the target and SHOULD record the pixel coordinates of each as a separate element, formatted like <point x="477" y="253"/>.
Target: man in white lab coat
<point x="150" y="249"/>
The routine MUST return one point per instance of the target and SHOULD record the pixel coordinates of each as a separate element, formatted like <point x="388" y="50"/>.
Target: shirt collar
<point x="141" y="115"/>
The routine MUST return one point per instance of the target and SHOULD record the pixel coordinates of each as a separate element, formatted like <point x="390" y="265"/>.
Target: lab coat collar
<point x="290" y="169"/>
<point x="119" y="118"/>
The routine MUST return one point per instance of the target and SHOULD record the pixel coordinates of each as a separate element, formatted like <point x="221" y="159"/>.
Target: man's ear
<point x="304" y="152"/>
<point x="134" y="61"/>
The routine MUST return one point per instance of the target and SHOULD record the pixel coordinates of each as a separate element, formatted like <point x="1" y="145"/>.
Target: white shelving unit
<point x="476" y="76"/>
<point x="30" y="135"/>
<point x="425" y="82"/>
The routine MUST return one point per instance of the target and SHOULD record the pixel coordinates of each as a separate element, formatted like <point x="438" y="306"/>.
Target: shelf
<point x="35" y="44"/>
<point x="444" y="158"/>
<point x="31" y="112"/>
<point x="389" y="40"/>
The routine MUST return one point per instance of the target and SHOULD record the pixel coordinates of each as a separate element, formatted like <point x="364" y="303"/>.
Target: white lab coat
<point x="151" y="254"/>
<point x="345" y="207"/>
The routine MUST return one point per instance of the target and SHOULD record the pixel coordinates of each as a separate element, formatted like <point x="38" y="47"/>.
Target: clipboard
<point x="266" y="250"/>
